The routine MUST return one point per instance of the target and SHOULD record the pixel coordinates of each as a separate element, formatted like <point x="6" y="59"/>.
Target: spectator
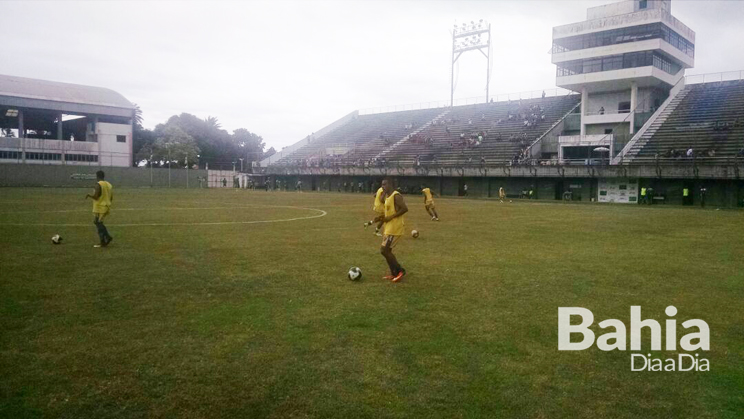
<point x="601" y="110"/>
<point x="703" y="192"/>
<point x="690" y="152"/>
<point x="543" y="94"/>
<point x="465" y="190"/>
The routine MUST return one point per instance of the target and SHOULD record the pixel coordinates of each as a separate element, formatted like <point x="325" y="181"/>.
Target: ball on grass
<point x="355" y="274"/>
<point x="414" y="234"/>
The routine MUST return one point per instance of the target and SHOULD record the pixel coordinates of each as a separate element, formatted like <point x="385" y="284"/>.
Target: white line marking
<point x="321" y="214"/>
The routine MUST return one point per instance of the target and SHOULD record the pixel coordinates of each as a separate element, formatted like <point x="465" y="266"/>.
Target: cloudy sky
<point x="283" y="69"/>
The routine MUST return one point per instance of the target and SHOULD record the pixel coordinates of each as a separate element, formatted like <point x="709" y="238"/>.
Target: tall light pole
<point x="233" y="167"/>
<point x="187" y="171"/>
<point x="151" y="170"/>
<point x="467" y="37"/>
<point x="241" y="164"/>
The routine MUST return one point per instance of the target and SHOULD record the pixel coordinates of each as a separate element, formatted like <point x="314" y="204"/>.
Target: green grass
<point x="259" y="320"/>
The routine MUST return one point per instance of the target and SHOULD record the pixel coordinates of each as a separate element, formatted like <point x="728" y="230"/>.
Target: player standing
<point x="102" y="198"/>
<point x="502" y="194"/>
<point x="379" y="208"/>
<point x="429" y="203"/>
<point x="395" y="208"/>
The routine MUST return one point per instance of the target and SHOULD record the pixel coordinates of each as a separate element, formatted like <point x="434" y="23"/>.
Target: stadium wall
<point x="84" y="176"/>
<point x="720" y="192"/>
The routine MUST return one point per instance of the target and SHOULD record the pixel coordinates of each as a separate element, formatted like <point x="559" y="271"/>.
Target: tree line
<point x="186" y="139"/>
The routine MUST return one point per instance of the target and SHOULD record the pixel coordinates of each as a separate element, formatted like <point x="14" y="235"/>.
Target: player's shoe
<point x="433" y="218"/>
<point x="367" y="224"/>
<point x="377" y="232"/>
<point x="436" y="219"/>
<point x="99" y="245"/>
<point x="400" y="275"/>
<point x="388" y="277"/>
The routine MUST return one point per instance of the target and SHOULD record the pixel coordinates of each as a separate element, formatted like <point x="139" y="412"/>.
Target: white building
<point x="45" y="122"/>
<point x="624" y="60"/>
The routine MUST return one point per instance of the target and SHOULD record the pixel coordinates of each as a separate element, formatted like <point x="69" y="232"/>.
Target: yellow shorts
<point x="379" y="211"/>
<point x="389" y="241"/>
<point x="429" y="205"/>
<point x="99" y="216"/>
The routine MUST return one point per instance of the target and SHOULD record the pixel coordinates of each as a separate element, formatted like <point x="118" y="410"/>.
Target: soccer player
<point x="429" y="203"/>
<point x="395" y="208"/>
<point x="502" y="194"/>
<point x="102" y="198"/>
<point x="379" y="208"/>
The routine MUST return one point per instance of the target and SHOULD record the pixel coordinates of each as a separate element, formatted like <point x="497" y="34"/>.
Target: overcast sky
<point x="284" y="69"/>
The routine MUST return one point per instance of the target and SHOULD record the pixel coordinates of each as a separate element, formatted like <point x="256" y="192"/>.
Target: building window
<point x="643" y="4"/>
<point x="623" y="107"/>
<point x="624" y="35"/>
<point x="121" y="138"/>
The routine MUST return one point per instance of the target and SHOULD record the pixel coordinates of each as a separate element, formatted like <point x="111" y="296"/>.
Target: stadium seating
<point x="362" y="133"/>
<point x="709" y="117"/>
<point x="437" y="134"/>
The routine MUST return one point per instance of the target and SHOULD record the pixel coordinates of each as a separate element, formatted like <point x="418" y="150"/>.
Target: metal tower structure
<point x="469" y="37"/>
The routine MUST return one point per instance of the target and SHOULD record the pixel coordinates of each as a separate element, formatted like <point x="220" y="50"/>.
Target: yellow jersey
<point x="396" y="226"/>
<point x="379" y="205"/>
<point x="427" y="194"/>
<point x="103" y="203"/>
<point x="502" y="194"/>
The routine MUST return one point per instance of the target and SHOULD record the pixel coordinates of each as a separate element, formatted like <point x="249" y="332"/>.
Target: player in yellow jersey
<point x="429" y="203"/>
<point x="502" y="194"/>
<point x="102" y="198"/>
<point x="379" y="208"/>
<point x="395" y="208"/>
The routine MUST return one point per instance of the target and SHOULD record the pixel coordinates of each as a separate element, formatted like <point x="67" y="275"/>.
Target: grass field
<point x="201" y="309"/>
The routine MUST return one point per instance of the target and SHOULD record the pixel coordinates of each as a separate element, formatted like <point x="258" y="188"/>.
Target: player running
<point x="379" y="208"/>
<point x="102" y="198"/>
<point x="429" y="203"/>
<point x="395" y="208"/>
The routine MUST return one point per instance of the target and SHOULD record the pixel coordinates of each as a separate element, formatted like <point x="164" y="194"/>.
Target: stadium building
<point x="625" y="120"/>
<point x="45" y="122"/>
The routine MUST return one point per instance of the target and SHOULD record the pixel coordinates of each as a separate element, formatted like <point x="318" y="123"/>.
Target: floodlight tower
<point x="469" y="37"/>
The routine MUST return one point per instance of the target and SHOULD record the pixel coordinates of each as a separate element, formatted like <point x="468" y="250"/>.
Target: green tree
<point x="174" y="145"/>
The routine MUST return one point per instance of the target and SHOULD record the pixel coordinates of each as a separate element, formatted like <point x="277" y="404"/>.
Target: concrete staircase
<point x="404" y="139"/>
<point x="644" y="135"/>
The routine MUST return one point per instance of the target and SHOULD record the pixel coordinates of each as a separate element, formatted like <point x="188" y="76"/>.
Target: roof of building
<point x="22" y="87"/>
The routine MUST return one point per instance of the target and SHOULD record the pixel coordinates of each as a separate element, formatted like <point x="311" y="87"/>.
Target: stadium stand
<point x="490" y="133"/>
<point x="709" y="120"/>
<point x="345" y="144"/>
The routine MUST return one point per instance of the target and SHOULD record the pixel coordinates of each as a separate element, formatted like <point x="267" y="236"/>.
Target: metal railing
<point x="501" y="97"/>
<point x="714" y="77"/>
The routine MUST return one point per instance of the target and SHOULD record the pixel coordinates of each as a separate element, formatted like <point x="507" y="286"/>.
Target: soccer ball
<point x="57" y="239"/>
<point x="355" y="274"/>
<point x="414" y="233"/>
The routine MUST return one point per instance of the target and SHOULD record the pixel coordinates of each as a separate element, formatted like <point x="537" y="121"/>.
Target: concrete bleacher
<point x="504" y="138"/>
<point x="363" y="133"/>
<point x="710" y="117"/>
<point x="360" y="139"/>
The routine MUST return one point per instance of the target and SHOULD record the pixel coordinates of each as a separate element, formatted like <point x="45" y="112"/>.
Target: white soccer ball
<point x="56" y="239"/>
<point x="414" y="233"/>
<point x="355" y="274"/>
